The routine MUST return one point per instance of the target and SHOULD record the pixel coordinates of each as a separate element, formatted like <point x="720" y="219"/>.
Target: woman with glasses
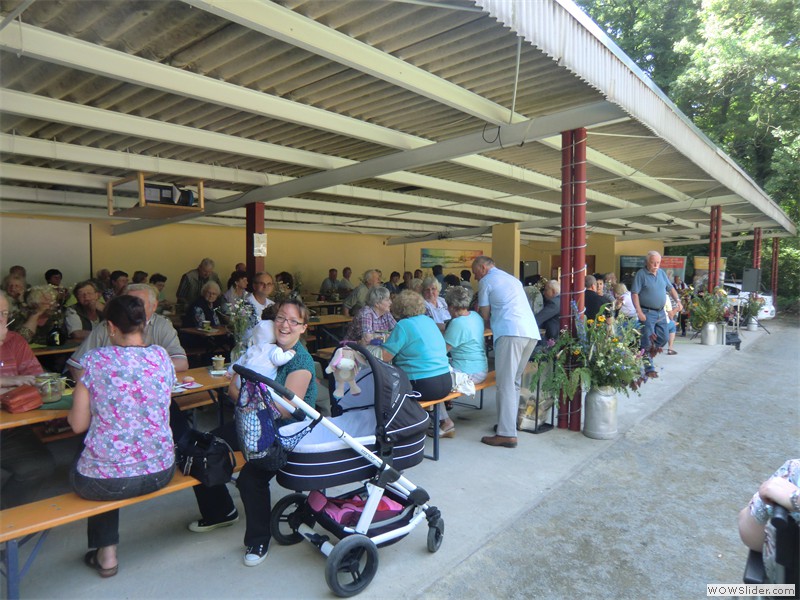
<point x="215" y="503"/>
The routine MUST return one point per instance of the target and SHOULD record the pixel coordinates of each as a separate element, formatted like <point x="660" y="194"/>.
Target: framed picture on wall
<point x="451" y="260"/>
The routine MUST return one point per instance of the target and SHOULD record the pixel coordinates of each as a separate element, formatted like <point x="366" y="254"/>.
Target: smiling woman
<point x="215" y="503"/>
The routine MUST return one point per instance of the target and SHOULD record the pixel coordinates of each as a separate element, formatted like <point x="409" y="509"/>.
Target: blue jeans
<point x="655" y="323"/>
<point x="103" y="529"/>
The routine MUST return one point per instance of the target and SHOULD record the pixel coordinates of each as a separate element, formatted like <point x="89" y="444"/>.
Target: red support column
<point x="718" y="253"/>
<point x="757" y="248"/>
<point x="567" y="154"/>
<point x="566" y="251"/>
<point x="254" y="215"/>
<point x="774" y="281"/>
<point x="579" y="248"/>
<point x="712" y="246"/>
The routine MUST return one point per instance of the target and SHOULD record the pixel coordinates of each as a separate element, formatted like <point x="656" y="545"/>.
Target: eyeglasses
<point x="291" y="322"/>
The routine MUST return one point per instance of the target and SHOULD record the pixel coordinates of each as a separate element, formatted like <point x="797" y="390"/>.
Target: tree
<point x="732" y="67"/>
<point x="647" y="31"/>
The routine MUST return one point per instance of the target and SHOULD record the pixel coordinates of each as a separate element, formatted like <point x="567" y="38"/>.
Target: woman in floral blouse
<point x="123" y="401"/>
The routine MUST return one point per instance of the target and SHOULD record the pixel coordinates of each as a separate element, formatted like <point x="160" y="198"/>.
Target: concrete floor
<point x="649" y="514"/>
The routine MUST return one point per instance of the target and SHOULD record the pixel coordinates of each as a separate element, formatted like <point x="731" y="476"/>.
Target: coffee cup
<point x="218" y="362"/>
<point x="207" y="325"/>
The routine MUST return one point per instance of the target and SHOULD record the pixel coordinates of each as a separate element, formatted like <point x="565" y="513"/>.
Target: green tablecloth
<point x="64" y="404"/>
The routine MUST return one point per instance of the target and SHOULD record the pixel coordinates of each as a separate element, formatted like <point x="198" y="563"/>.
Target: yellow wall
<point x="175" y="249"/>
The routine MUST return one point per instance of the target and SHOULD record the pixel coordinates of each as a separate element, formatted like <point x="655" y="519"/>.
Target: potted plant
<point x="603" y="358"/>
<point x="706" y="311"/>
<point x="748" y="311"/>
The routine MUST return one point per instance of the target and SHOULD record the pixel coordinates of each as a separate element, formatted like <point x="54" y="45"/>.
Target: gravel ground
<point x="654" y="516"/>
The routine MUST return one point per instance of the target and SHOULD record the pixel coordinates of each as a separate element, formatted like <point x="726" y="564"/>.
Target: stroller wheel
<point x="287" y="516"/>
<point x="435" y="535"/>
<point x="351" y="565"/>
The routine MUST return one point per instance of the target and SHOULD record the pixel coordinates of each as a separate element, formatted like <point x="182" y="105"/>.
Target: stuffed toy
<point x="345" y="365"/>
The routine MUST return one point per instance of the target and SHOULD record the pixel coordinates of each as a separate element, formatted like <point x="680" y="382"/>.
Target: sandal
<point x="90" y="560"/>
<point x="671" y="352"/>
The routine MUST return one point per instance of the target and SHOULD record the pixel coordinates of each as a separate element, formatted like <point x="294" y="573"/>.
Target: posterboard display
<point x="675" y="266"/>
<point x="42" y="244"/>
<point x="629" y="265"/>
<point x="701" y="272"/>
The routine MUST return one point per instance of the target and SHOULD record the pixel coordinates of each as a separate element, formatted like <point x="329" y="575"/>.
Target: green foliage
<point x="647" y="31"/>
<point x="605" y="353"/>
<point x="708" y="308"/>
<point x="732" y="67"/>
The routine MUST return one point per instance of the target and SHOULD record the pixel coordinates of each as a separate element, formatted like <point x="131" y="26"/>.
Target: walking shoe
<point x="255" y="555"/>
<point x="203" y="526"/>
<point x="499" y="440"/>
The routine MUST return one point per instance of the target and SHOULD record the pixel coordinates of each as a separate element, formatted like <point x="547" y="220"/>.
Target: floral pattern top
<point x="763" y="511"/>
<point x="130" y="391"/>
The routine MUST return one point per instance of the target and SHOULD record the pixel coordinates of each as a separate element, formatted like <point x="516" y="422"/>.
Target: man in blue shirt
<point x="503" y="304"/>
<point x="649" y="294"/>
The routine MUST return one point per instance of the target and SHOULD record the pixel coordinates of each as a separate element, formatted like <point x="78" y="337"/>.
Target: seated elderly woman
<point x="205" y="308"/>
<point x="374" y="318"/>
<point x="465" y="343"/>
<point x="417" y="347"/>
<point x="40" y="316"/>
<point x="86" y="313"/>
<point x="15" y="286"/>
<point x="435" y="306"/>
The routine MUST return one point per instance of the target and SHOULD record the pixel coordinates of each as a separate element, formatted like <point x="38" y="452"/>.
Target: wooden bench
<point x="490" y="381"/>
<point x="19" y="525"/>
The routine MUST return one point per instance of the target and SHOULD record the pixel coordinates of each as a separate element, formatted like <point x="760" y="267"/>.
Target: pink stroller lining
<point x="347" y="511"/>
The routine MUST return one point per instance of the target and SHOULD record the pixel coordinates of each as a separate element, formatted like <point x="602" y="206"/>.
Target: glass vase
<point x="238" y="351"/>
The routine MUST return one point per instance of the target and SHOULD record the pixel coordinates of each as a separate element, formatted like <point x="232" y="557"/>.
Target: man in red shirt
<point x="21" y="452"/>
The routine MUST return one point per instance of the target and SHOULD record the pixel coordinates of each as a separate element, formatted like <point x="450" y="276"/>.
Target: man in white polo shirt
<point x="503" y="304"/>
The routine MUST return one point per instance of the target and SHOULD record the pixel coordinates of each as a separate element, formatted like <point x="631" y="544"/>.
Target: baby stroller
<point x="375" y="435"/>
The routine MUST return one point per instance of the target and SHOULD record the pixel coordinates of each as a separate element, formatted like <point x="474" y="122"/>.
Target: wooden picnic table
<point x="329" y="305"/>
<point x="67" y="348"/>
<point x="327" y="323"/>
<point x="201" y="375"/>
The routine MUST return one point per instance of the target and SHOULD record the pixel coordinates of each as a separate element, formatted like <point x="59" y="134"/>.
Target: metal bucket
<point x="600" y="414"/>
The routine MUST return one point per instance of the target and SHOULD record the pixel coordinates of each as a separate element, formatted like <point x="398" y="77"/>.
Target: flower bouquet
<point x="708" y="308"/>
<point x="604" y="353"/>
<point x="240" y="317"/>
<point x="749" y="310"/>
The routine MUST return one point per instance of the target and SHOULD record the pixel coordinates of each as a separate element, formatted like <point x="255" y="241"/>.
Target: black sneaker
<point x="203" y="526"/>
<point x="255" y="555"/>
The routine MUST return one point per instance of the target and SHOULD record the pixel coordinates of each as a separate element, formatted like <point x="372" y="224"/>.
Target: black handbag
<point x="205" y="457"/>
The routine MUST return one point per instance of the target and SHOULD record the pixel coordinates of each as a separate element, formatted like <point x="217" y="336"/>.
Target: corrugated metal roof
<point x="251" y="94"/>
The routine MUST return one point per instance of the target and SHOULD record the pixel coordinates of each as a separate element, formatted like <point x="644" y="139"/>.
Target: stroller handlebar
<point x="285" y="393"/>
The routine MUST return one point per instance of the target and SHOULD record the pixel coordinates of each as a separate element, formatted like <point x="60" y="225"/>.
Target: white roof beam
<point x="61" y="151"/>
<point x="468" y="144"/>
<point x="59" y="49"/>
<point x="290" y="27"/>
<point x="58" y="111"/>
<point x="592" y="56"/>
